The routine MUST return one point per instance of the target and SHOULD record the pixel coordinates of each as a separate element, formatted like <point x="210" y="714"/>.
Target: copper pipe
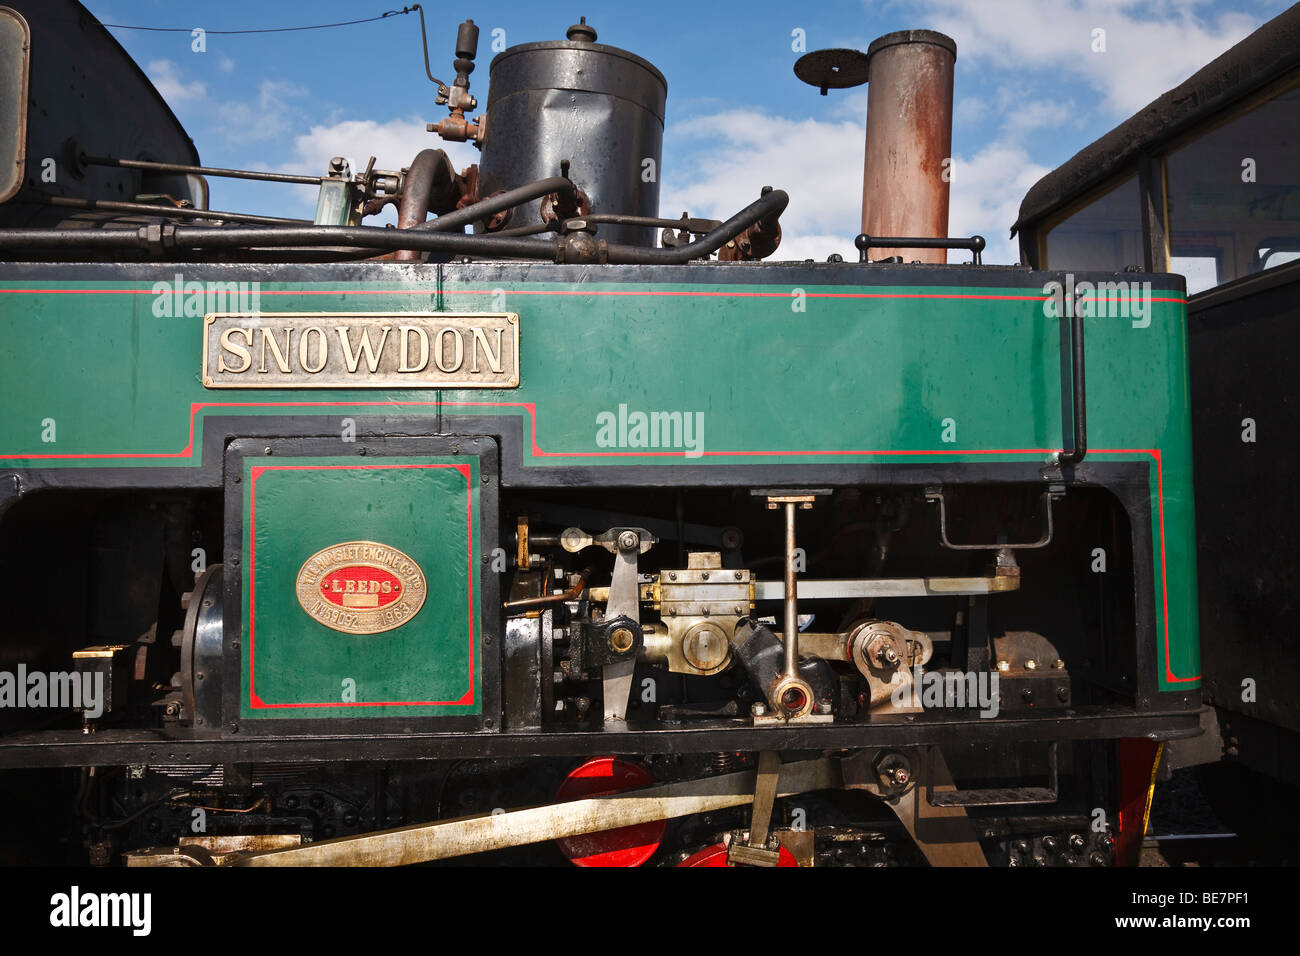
<point x="427" y="185"/>
<point x="570" y="595"/>
<point x="908" y="160"/>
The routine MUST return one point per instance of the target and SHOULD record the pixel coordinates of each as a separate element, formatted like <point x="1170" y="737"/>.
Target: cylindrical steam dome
<point x="599" y="107"/>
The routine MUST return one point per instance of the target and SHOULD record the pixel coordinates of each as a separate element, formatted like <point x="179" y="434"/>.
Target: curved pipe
<point x="767" y="208"/>
<point x="428" y="181"/>
<point x="572" y="594"/>
<point x="506" y="200"/>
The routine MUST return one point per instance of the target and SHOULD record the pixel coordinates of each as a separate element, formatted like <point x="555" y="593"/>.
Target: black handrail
<point x="1079" y="395"/>
<point x="864" y="242"/>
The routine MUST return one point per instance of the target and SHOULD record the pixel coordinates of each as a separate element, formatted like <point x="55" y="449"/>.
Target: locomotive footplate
<point x="126" y="747"/>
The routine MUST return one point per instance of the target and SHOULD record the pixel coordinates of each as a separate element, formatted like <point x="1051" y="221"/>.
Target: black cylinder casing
<point x="762" y="656"/>
<point x="597" y="106"/>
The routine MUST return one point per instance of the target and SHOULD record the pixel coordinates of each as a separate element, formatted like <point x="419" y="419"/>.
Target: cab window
<point x="1233" y="196"/>
<point x="1105" y="235"/>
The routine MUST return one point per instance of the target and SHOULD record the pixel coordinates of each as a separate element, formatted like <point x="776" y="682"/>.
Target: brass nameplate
<point x="361" y="350"/>
<point x="361" y="587"/>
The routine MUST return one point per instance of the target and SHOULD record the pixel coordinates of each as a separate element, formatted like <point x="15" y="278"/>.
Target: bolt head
<point x="758" y="709"/>
<point x="1030" y="664"/>
<point x="628" y="541"/>
<point x="1004" y="665"/>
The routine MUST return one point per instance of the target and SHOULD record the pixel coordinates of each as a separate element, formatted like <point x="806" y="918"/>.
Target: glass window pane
<point x="1106" y="234"/>
<point x="1234" y="194"/>
<point x="1201" y="271"/>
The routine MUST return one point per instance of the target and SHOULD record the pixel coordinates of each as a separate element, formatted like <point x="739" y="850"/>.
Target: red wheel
<point x="717" y="856"/>
<point x="626" y="846"/>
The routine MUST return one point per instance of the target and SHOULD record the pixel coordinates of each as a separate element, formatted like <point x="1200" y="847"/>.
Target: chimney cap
<point x="900" y="37"/>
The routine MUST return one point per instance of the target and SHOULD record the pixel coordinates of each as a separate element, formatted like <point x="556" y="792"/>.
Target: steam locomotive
<point x="583" y="536"/>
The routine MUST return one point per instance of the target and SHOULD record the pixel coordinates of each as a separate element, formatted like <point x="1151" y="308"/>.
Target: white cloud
<point x="1149" y="47"/>
<point x="725" y="159"/>
<point x="271" y="115"/>
<point x="226" y="65"/>
<point x="165" y="76"/>
<point x="985" y="198"/>
<point x="797" y="246"/>
<point x="969" y="109"/>
<point x="1028" y="115"/>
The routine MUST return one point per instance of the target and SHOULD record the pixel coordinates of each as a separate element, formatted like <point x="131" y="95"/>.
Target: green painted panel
<point x="294" y="666"/>
<point x="835" y="373"/>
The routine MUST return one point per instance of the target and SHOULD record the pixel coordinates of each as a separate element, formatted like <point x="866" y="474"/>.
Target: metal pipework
<point x="148" y="209"/>
<point x="770" y="204"/>
<point x="153" y="167"/>
<point x="162" y="238"/>
<point x="908" y="154"/>
<point x="572" y="594"/>
<point x="429" y="184"/>
<point x="486" y="207"/>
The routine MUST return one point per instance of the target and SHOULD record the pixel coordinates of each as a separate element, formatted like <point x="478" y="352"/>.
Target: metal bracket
<point x="574" y="540"/>
<point x="1045" y="499"/>
<point x="755" y="851"/>
<point x="625" y="604"/>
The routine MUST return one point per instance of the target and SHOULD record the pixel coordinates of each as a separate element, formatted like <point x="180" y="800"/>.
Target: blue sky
<point x="1030" y="90"/>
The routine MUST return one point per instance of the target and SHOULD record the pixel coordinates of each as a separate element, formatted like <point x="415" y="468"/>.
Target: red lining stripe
<point x="256" y="702"/>
<point x="598" y="292"/>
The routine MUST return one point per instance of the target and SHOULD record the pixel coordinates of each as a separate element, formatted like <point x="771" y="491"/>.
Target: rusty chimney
<point x="909" y="140"/>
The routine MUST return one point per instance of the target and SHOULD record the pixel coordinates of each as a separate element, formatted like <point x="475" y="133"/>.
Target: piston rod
<point x="791" y="597"/>
<point x="790" y="695"/>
